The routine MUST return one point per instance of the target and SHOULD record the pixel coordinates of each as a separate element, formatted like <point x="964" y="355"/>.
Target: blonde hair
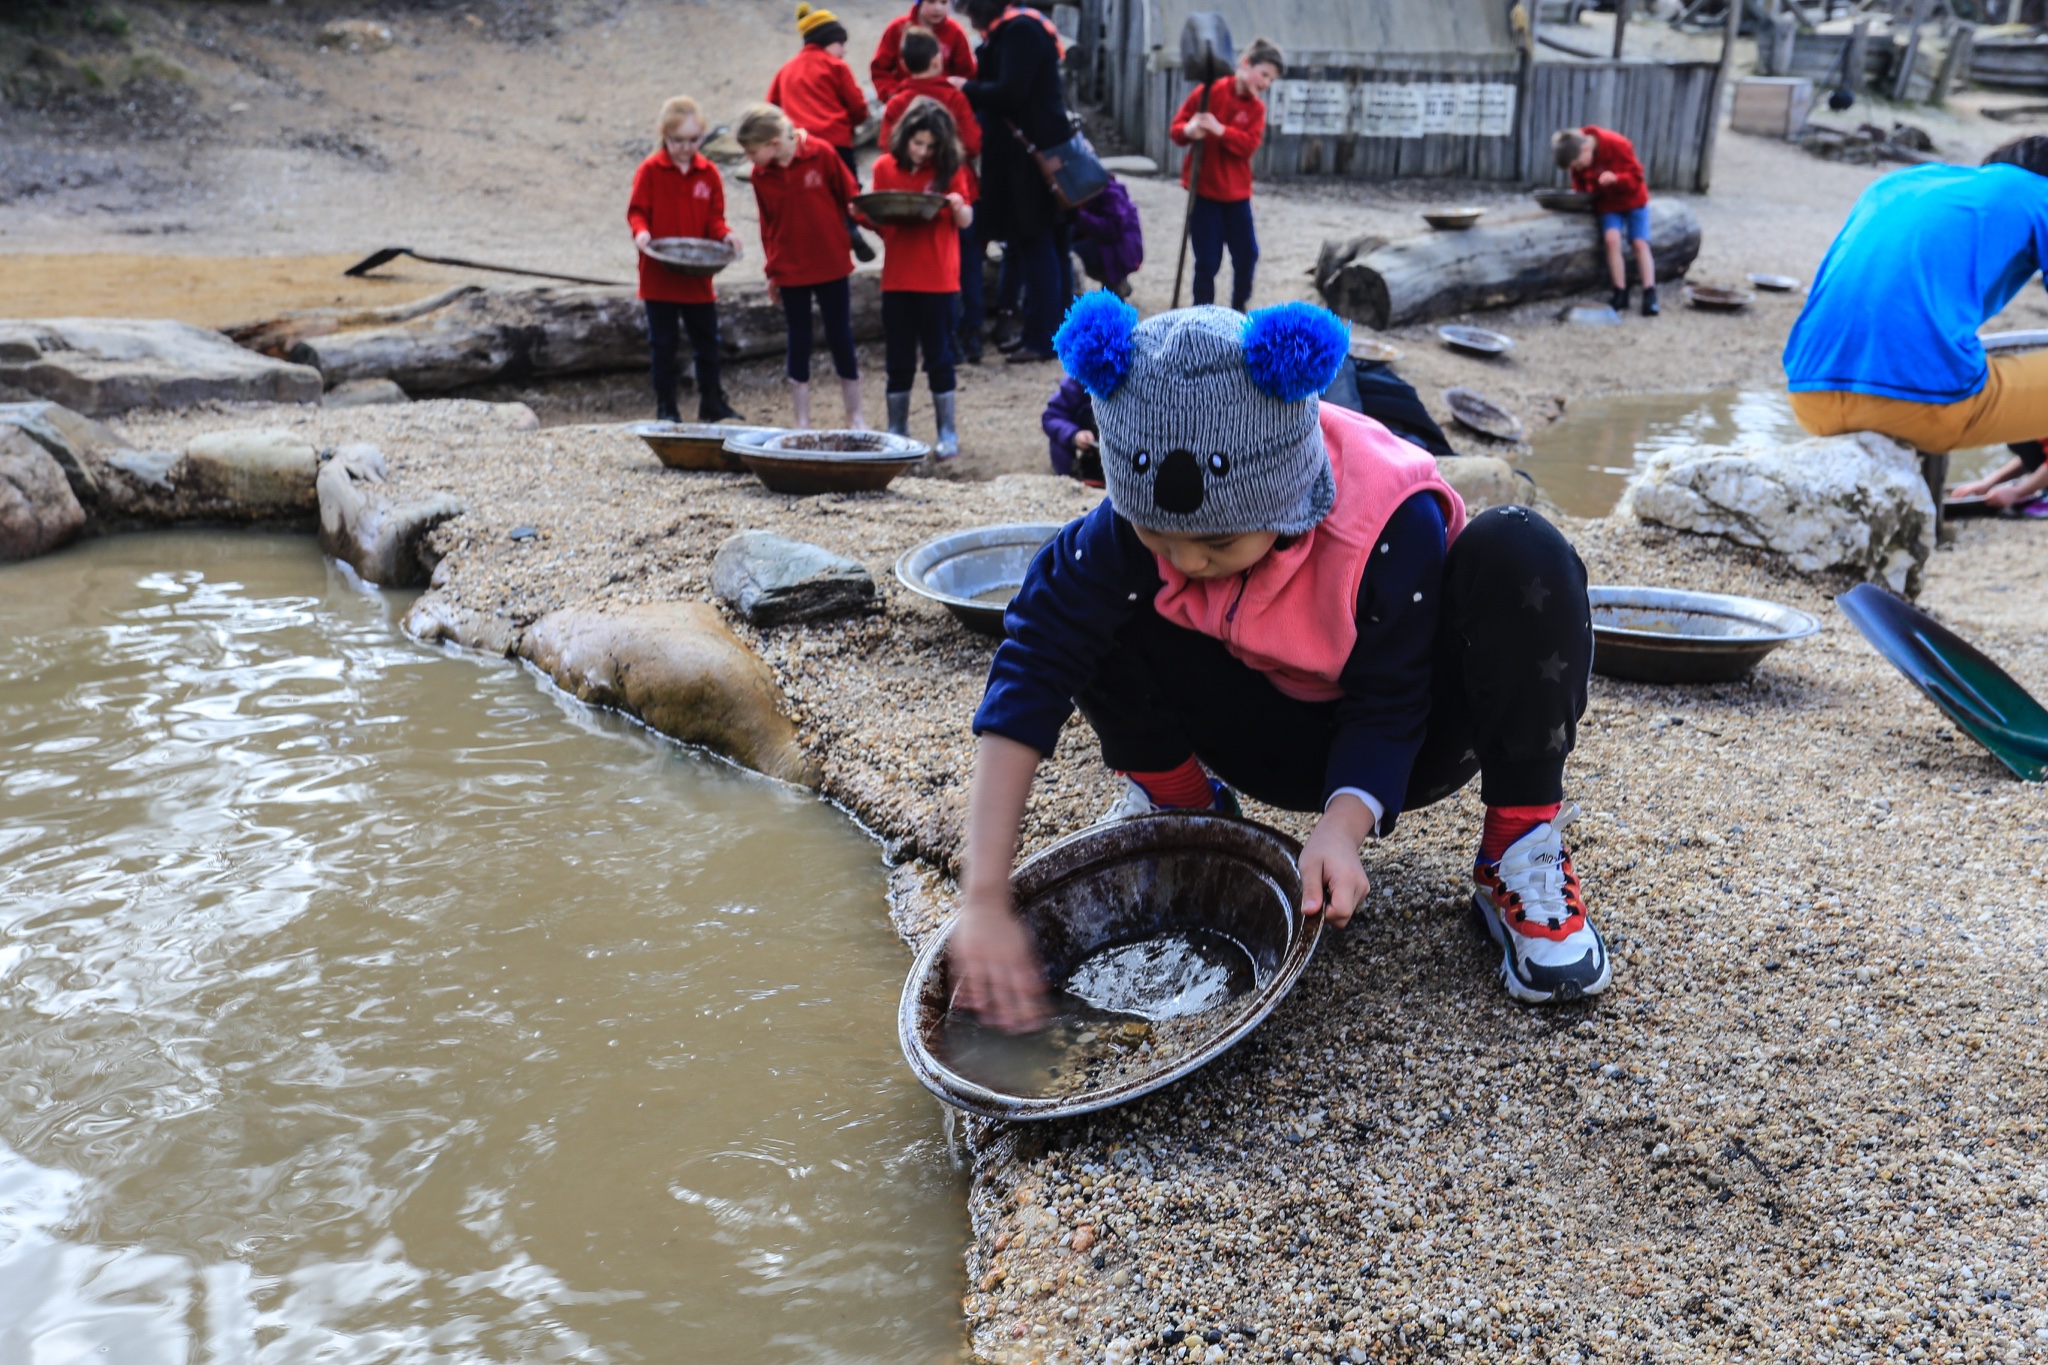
<point x="674" y="114"/>
<point x="761" y="125"/>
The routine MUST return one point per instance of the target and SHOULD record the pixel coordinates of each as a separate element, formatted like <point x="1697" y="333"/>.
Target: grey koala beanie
<point x="1209" y="419"/>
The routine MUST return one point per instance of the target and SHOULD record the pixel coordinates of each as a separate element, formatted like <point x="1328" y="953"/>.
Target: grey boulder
<point x="72" y="439"/>
<point x="98" y="366"/>
<point x="38" y="511"/>
<point x="1483" y="481"/>
<point x="248" y="475"/>
<point x="364" y="393"/>
<point x="370" y="526"/>
<point x="770" y="579"/>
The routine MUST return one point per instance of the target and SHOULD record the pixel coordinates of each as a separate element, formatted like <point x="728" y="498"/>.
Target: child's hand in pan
<point x="1333" y="880"/>
<point x="1608" y="178"/>
<point x="994" y="966"/>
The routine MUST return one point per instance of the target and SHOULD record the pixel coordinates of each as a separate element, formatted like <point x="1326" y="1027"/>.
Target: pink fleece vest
<point x="1294" y="614"/>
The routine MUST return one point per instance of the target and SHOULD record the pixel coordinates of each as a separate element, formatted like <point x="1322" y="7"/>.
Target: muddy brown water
<point x="361" y="1002"/>
<point x="1584" y="460"/>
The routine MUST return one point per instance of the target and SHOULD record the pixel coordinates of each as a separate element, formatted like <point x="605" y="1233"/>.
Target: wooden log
<point x="1442" y="274"/>
<point x="474" y="335"/>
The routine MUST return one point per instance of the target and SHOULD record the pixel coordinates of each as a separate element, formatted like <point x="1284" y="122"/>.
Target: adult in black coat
<point x="1018" y="88"/>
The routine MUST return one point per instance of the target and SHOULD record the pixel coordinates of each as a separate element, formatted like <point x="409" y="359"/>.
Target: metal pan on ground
<point x="1777" y="284"/>
<point x="1980" y="697"/>
<point x="1453" y="219"/>
<point x="1715" y="299"/>
<point x="1373" y="351"/>
<point x="1166" y="939"/>
<point x="1564" y="201"/>
<point x="701" y="446"/>
<point x="2030" y="339"/>
<point x="1483" y="415"/>
<point x="974" y="574"/>
<point x="899" y="206"/>
<point x="690" y="255"/>
<point x="1664" y="635"/>
<point x="1475" y="340"/>
<point x="1955" y="504"/>
<point x="807" y="462"/>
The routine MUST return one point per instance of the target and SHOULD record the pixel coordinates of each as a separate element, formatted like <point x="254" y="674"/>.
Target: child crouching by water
<point x="803" y="190"/>
<point x="921" y="265"/>
<point x="677" y="193"/>
<point x="1290" y="597"/>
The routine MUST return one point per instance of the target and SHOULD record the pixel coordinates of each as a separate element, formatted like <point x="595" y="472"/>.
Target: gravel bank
<point x="1806" y="1123"/>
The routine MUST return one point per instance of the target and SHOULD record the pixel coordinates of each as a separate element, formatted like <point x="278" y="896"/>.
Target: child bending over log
<point x="677" y="193"/>
<point x="1887" y="340"/>
<point x="1286" y="595"/>
<point x="1230" y="131"/>
<point x="1603" y="164"/>
<point x="803" y="190"/>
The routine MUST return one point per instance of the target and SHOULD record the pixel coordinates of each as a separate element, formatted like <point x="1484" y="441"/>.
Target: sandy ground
<point x="1804" y="1124"/>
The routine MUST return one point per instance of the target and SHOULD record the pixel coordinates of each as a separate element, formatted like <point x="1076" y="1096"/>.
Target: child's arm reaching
<point x="994" y="965"/>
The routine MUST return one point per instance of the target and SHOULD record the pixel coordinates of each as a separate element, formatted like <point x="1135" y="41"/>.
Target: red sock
<point x="1184" y="788"/>
<point x="1505" y="824"/>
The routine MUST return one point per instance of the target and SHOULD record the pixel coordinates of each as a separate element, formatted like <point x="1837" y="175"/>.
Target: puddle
<point x="1584" y="461"/>
<point x="359" y="1002"/>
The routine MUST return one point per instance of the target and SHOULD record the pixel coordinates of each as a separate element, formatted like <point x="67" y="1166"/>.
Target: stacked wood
<point x="473" y="334"/>
<point x="1435" y="275"/>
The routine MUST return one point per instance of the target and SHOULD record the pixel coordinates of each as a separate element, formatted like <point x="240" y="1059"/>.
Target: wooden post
<point x="1955" y="64"/>
<point x="1705" y="178"/>
<point x="1858" y="61"/>
<point x="1902" y="79"/>
<point x="1621" y="9"/>
<point x="1784" y="33"/>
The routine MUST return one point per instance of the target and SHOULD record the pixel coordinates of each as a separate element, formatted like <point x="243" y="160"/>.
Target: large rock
<point x="370" y="526"/>
<point x="248" y="475"/>
<point x="99" y="366"/>
<point x="73" y="440"/>
<point x="770" y="579"/>
<point x="363" y="393"/>
<point x="38" y="511"/>
<point x="678" y="667"/>
<point x="1856" y="503"/>
<point x="1483" y="482"/>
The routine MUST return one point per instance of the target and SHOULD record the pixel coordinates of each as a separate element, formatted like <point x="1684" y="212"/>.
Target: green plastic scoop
<point x="1979" y="696"/>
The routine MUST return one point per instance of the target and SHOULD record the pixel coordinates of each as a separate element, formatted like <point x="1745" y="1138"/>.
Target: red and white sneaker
<point x="1529" y="903"/>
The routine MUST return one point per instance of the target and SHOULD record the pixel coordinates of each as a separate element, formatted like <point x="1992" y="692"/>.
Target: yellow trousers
<point x="2012" y="406"/>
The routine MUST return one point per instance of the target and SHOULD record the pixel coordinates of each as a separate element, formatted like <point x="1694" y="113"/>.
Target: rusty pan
<point x="697" y="256"/>
<point x="807" y="462"/>
<point x="701" y="446"/>
<point x="1123" y="883"/>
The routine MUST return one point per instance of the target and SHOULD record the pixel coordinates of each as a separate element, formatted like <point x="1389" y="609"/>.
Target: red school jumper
<point x="1612" y="152"/>
<point x="818" y="92"/>
<point x="672" y="201"/>
<point x="956" y="55"/>
<point x="803" y="216"/>
<point x="940" y="89"/>
<point x="1227" y="165"/>
<point x="921" y="258"/>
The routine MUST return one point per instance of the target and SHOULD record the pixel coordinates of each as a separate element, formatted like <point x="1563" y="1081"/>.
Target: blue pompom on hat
<point x="1209" y="420"/>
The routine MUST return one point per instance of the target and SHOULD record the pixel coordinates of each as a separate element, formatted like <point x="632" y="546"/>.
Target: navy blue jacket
<point x="1096" y="574"/>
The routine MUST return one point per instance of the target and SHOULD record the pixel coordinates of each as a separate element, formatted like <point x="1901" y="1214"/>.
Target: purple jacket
<point x="1110" y="220"/>
<point x="1070" y="413"/>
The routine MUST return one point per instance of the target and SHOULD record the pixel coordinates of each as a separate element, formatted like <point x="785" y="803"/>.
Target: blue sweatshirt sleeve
<point x="1083" y="586"/>
<point x="1384" y="711"/>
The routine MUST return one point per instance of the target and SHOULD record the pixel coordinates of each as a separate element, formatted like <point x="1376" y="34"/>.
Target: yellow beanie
<point x="808" y="18"/>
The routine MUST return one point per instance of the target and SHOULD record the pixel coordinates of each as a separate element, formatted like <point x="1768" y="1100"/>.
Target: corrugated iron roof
<point x="1398" y="29"/>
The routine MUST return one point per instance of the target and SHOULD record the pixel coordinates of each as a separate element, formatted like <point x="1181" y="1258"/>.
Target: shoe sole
<point x="1489" y="924"/>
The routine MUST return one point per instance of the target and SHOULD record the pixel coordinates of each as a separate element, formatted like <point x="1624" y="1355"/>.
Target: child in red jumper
<point x="1603" y="164"/>
<point x="677" y="193"/>
<point x="891" y="70"/>
<point x="803" y="190"/>
<point x="816" y="88"/>
<point x="922" y="56"/>
<point x="921" y="265"/>
<point x="1230" y="131"/>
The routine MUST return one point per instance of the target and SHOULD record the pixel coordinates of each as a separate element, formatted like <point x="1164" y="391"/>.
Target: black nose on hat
<point x="1178" y="488"/>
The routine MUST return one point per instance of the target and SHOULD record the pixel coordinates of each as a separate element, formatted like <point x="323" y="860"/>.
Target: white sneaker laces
<point x="1534" y="875"/>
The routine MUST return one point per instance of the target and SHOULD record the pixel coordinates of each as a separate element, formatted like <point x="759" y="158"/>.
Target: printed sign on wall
<point x="1403" y="109"/>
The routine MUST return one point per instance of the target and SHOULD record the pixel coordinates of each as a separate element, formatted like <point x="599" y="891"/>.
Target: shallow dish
<point x="1777" y="284"/>
<point x="806" y="462"/>
<point x="1967" y="505"/>
<point x="974" y="574"/>
<point x="899" y="206"/>
<point x="1374" y="351"/>
<point x="1452" y="220"/>
<point x="1475" y="340"/>
<point x="1111" y="886"/>
<point x="690" y="255"/>
<point x="1483" y="415"/>
<point x="698" y="445"/>
<point x="1717" y="300"/>
<point x="1565" y="201"/>
<point x="1666" y="635"/>
<point x="2031" y="339"/>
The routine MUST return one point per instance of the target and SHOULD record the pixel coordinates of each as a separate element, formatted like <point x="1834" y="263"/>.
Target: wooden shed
<point x="1391" y="89"/>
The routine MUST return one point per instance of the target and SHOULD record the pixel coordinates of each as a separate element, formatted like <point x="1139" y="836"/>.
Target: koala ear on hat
<point x="1094" y="343"/>
<point x="1293" y="349"/>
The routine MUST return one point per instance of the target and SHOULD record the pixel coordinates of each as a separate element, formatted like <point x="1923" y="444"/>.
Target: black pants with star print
<point x="1514" y="649"/>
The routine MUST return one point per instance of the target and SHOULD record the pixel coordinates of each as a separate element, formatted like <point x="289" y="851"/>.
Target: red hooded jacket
<point x="669" y="201"/>
<point x="956" y="53"/>
<point x="1612" y="152"/>
<point x="818" y="92"/>
<point x="803" y="216"/>
<point x="1227" y="164"/>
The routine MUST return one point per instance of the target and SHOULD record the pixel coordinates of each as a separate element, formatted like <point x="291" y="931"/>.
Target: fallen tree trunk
<point x="1443" y="274"/>
<point x="474" y="335"/>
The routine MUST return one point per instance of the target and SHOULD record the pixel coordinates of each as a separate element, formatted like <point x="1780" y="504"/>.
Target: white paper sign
<point x="1386" y="109"/>
<point x="1313" y="108"/>
<point x="1393" y="109"/>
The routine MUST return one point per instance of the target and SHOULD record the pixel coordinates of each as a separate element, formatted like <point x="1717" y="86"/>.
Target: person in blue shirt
<point x="1888" y="342"/>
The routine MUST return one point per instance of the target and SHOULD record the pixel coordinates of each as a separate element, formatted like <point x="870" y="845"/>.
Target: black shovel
<point x="392" y="253"/>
